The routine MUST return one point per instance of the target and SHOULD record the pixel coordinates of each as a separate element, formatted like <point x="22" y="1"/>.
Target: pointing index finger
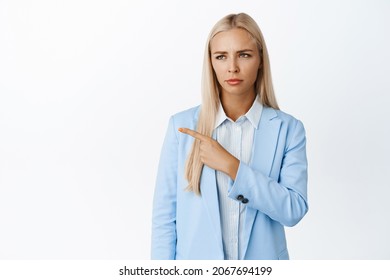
<point x="194" y="134"/>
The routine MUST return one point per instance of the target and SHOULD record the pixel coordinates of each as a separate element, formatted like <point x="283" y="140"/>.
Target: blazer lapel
<point x="210" y="199"/>
<point x="263" y="152"/>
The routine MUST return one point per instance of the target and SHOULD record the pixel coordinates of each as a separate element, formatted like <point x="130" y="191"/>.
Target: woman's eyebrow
<point x="245" y="50"/>
<point x="219" y="52"/>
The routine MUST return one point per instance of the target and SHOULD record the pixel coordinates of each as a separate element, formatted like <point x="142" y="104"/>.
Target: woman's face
<point x="236" y="61"/>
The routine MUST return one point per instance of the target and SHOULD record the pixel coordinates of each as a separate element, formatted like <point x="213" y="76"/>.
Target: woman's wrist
<point x="232" y="167"/>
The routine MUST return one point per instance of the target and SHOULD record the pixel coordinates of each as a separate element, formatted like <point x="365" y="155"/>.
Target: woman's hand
<point x="214" y="155"/>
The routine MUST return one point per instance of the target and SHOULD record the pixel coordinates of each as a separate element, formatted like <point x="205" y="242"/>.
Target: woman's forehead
<point x="236" y="38"/>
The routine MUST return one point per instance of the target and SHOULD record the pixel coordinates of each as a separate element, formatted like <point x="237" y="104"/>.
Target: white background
<point x="87" y="87"/>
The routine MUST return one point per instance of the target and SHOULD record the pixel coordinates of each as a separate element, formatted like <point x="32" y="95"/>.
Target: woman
<point x="233" y="171"/>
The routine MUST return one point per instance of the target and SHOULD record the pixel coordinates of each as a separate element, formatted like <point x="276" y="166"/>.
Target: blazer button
<point x="240" y="197"/>
<point x="245" y="201"/>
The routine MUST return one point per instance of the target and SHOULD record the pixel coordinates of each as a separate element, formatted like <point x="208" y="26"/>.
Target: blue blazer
<point x="187" y="226"/>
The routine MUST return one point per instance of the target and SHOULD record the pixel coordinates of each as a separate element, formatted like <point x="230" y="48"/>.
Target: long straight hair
<point x="211" y="93"/>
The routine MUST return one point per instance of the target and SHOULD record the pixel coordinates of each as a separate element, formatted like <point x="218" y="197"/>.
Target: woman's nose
<point x="233" y="67"/>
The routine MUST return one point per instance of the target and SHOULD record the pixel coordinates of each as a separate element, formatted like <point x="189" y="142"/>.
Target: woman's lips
<point x="233" y="82"/>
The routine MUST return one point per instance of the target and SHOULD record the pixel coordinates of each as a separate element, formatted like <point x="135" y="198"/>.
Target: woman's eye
<point x="245" y="55"/>
<point x="220" y="57"/>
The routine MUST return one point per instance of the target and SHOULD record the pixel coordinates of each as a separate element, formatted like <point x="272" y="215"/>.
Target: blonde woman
<point x="233" y="171"/>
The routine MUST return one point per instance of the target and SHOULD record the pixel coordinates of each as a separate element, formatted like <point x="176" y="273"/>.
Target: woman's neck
<point x="236" y="106"/>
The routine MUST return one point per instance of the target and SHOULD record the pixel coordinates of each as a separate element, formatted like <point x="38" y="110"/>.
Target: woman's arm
<point x="164" y="203"/>
<point x="283" y="200"/>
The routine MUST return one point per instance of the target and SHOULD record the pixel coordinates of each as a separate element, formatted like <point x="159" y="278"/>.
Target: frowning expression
<point x="235" y="59"/>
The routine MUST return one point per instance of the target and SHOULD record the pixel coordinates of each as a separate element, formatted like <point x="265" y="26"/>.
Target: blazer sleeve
<point x="285" y="199"/>
<point x="163" y="245"/>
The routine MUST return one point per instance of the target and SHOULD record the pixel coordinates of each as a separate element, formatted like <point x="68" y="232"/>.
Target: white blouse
<point x="237" y="138"/>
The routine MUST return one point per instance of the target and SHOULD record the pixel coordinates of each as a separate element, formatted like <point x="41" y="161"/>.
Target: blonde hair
<point x="211" y="93"/>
